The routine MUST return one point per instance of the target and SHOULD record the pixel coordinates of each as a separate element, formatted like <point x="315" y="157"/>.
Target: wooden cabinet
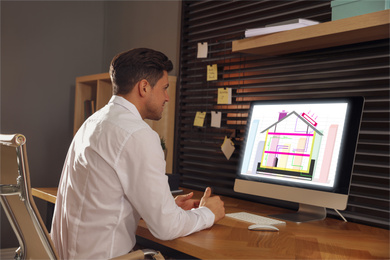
<point x="367" y="27"/>
<point x="92" y="93"/>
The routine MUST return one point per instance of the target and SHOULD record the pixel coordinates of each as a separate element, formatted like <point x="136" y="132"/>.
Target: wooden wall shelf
<point x="96" y="88"/>
<point x="362" y="28"/>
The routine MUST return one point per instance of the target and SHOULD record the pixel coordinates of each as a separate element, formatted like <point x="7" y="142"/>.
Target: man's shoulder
<point x="114" y="116"/>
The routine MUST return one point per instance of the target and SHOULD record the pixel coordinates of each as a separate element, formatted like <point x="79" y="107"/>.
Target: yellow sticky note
<point x="224" y="96"/>
<point x="199" y="118"/>
<point x="228" y="147"/>
<point x="212" y="72"/>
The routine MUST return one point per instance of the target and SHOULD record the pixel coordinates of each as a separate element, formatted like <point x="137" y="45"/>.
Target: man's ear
<point x="143" y="87"/>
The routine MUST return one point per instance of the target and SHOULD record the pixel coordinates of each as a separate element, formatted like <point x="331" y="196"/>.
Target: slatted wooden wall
<point x="358" y="69"/>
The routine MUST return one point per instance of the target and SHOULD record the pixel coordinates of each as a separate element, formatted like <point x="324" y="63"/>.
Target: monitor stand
<point x="305" y="213"/>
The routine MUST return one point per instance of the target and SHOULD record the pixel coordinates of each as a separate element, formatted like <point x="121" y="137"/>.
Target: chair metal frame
<point x="22" y="188"/>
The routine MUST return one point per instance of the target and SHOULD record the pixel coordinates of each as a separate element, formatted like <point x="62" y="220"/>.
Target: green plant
<point x="162" y="139"/>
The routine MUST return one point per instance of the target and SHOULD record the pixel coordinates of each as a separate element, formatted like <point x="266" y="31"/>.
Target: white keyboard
<point x="255" y="219"/>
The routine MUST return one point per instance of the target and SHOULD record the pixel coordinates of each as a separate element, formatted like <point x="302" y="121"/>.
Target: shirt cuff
<point x="207" y="214"/>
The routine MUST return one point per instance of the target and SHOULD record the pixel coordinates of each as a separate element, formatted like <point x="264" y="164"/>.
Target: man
<point x="114" y="172"/>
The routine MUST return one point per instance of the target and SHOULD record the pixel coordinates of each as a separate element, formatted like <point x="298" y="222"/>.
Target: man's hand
<point x="215" y="204"/>
<point x="185" y="202"/>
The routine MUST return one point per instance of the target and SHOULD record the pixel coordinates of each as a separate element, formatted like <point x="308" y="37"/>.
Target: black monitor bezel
<point x="347" y="149"/>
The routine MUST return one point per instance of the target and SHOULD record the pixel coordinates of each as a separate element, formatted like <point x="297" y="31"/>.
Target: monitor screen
<point x="301" y="151"/>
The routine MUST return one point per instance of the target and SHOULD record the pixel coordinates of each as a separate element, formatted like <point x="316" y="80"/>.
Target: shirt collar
<point x="118" y="100"/>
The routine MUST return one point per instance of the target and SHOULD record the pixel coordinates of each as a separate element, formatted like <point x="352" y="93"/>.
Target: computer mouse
<point x="262" y="227"/>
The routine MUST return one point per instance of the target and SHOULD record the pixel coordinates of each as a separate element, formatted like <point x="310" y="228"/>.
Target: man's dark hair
<point x="130" y="67"/>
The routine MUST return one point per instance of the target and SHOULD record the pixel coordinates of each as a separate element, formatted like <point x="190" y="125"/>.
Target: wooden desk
<point x="230" y="239"/>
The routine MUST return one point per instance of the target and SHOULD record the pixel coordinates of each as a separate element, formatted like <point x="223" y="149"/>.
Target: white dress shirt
<point x="113" y="175"/>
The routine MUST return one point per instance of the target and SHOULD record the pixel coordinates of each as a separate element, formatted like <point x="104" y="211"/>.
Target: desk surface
<point x="230" y="239"/>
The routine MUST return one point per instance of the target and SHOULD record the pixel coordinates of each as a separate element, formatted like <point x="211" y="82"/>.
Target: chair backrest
<point x="18" y="203"/>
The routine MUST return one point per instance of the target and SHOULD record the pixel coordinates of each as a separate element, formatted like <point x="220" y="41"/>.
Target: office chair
<point x="19" y="206"/>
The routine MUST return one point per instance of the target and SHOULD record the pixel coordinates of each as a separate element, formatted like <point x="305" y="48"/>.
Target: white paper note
<point x="202" y="49"/>
<point x="227" y="147"/>
<point x="216" y="119"/>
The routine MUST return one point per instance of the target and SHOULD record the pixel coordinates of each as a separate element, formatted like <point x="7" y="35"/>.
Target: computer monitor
<point x="301" y="151"/>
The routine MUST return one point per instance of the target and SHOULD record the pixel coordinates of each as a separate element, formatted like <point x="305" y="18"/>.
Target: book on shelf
<point x="93" y="106"/>
<point x="89" y="108"/>
<point x="280" y="27"/>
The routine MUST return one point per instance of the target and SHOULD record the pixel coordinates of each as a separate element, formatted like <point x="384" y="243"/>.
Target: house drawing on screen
<point x="291" y="145"/>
